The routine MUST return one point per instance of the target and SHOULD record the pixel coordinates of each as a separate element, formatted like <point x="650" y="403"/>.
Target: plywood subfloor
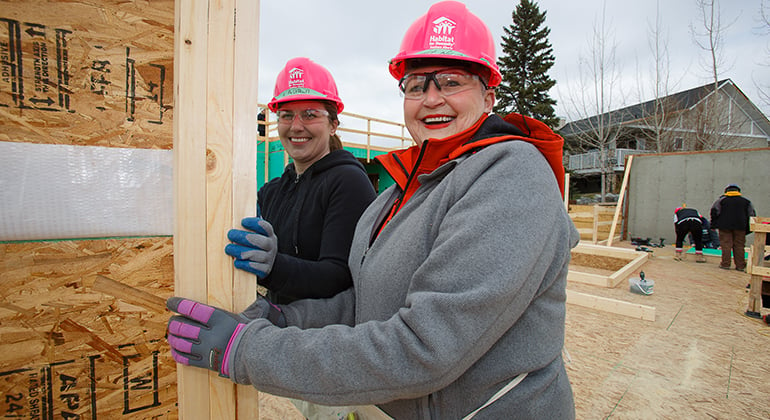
<point x="700" y="358"/>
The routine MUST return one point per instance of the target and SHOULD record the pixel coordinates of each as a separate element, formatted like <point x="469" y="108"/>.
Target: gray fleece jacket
<point x="463" y="290"/>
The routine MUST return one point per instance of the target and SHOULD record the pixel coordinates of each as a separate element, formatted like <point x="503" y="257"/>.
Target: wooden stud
<point x="760" y="226"/>
<point x="620" y="200"/>
<point x="566" y="192"/>
<point x="244" y="172"/>
<point x="215" y="176"/>
<point x="614" y="306"/>
<point x="635" y="260"/>
<point x="190" y="183"/>
<point x="615" y="278"/>
<point x="606" y="251"/>
<point x="587" y="278"/>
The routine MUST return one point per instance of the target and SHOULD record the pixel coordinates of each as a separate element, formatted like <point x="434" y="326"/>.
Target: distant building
<point x="691" y="120"/>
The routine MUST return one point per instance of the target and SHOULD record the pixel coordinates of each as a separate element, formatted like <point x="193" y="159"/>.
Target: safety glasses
<point x="448" y="82"/>
<point x="307" y="116"/>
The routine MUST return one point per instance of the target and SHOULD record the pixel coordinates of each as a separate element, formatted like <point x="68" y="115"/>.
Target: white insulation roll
<point x="50" y="191"/>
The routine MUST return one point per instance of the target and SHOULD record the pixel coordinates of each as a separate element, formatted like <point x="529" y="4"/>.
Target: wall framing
<point x="215" y="134"/>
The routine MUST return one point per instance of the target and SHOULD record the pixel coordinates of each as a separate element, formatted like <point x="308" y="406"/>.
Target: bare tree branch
<point x="592" y="102"/>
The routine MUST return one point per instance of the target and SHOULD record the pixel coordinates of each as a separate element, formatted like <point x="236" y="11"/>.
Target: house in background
<point x="697" y="119"/>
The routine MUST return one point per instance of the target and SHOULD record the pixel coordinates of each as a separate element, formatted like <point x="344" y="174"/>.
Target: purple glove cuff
<point x="226" y="358"/>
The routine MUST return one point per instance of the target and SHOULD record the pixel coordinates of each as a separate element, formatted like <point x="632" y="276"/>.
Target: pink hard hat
<point x="304" y="80"/>
<point x="448" y="31"/>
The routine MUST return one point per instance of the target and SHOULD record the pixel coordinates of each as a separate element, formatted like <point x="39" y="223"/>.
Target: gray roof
<point x="676" y="102"/>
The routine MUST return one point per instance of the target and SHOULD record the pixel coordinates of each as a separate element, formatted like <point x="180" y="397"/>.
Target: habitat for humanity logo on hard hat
<point x="295" y="78"/>
<point x="443" y="28"/>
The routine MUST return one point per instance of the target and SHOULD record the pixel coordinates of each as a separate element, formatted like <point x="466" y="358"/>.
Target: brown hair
<point x="334" y="140"/>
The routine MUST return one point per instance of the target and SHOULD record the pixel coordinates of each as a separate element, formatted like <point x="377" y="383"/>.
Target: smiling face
<point x="438" y="116"/>
<point x="305" y="141"/>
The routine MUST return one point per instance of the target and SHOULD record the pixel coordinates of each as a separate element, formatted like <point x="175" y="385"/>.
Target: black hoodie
<point x="314" y="216"/>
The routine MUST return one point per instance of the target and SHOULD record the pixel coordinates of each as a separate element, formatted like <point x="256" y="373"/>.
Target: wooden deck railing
<point x="368" y="133"/>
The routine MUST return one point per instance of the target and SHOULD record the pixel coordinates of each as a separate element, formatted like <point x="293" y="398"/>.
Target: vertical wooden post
<point x="215" y="135"/>
<point x="760" y="227"/>
<point x="620" y="200"/>
<point x="368" y="140"/>
<point x="566" y="192"/>
<point x="245" y="163"/>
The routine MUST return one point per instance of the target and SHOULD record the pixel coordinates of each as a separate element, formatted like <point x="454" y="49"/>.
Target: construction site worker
<point x="730" y="213"/>
<point x="459" y="270"/>
<point x="688" y="220"/>
<point x="299" y="243"/>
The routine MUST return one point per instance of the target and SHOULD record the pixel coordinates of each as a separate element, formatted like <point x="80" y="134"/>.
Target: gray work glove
<point x="254" y="249"/>
<point x="203" y="336"/>
<point x="263" y="308"/>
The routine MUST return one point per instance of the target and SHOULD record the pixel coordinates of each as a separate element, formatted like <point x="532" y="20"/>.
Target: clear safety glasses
<point x="448" y="82"/>
<point x="307" y="116"/>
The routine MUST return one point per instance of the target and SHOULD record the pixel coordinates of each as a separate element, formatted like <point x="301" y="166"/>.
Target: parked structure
<point x="691" y="120"/>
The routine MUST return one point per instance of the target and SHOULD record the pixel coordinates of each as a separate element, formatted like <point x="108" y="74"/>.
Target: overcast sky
<point x="354" y="39"/>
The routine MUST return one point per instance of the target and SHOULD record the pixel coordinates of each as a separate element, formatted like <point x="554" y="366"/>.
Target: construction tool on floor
<point x="648" y="242"/>
<point x="641" y="285"/>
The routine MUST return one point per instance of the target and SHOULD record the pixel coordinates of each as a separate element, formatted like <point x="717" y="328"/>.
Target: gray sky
<point x="354" y="39"/>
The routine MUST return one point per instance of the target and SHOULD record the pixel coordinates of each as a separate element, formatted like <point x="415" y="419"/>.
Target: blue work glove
<point x="263" y="308"/>
<point x="203" y="336"/>
<point x="254" y="250"/>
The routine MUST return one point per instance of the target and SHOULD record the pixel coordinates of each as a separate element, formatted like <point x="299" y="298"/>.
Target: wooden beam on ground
<point x="606" y="251"/>
<point x="620" y="200"/>
<point x="635" y="260"/>
<point x="587" y="278"/>
<point x="215" y="135"/>
<point x="615" y="278"/>
<point x="614" y="306"/>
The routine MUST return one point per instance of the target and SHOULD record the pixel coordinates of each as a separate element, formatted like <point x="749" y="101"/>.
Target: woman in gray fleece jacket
<point x="459" y="270"/>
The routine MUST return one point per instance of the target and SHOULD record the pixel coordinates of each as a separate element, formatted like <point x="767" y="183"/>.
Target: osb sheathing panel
<point x="68" y="351"/>
<point x="96" y="73"/>
<point x="93" y="73"/>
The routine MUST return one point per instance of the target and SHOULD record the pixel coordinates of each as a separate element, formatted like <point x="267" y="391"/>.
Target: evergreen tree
<point x="527" y="57"/>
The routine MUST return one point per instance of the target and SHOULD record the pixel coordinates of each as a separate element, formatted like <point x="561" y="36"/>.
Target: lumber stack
<point x="593" y="222"/>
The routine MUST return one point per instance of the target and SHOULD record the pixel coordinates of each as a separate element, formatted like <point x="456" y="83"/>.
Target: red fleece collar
<point x="399" y="163"/>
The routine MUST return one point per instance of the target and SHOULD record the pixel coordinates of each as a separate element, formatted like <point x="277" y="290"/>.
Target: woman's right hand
<point x="254" y="249"/>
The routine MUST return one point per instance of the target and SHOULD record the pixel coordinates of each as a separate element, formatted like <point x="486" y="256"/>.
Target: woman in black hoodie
<point x="299" y="243"/>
